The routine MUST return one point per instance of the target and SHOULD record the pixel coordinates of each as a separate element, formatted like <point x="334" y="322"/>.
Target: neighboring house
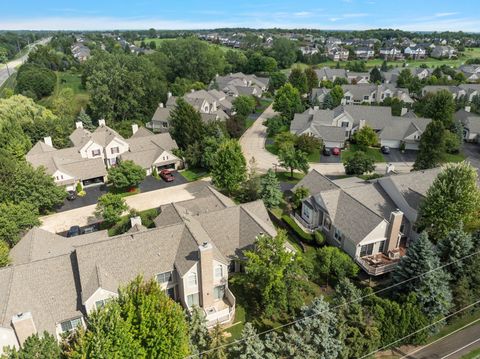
<point x="326" y="73"/>
<point x="456" y="91"/>
<point x="471" y="124"/>
<point x="364" y="53"/>
<point x="391" y="53"/>
<point x="392" y="130"/>
<point x="443" y="52"/>
<point x="80" y="52"/>
<point x="415" y="52"/>
<point x="471" y="72"/>
<point x="236" y="84"/>
<point x="317" y="96"/>
<point x="337" y="53"/>
<point x="358" y="77"/>
<point x="213" y="105"/>
<point x="309" y="50"/>
<point x="67" y="166"/>
<point x="369" y="93"/>
<point x="54" y="283"/>
<point x="361" y="217"/>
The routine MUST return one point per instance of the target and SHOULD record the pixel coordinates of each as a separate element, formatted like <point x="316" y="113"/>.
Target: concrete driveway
<point x="60" y="222"/>
<point x="396" y="155"/>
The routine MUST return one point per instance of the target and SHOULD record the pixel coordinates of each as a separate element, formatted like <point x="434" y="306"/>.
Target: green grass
<point x="472" y="355"/>
<point x="455" y="325"/>
<point x="285" y="177"/>
<point x="371" y="152"/>
<point x="123" y="225"/>
<point x="454" y="157"/>
<point x="238" y="323"/>
<point x="314" y="156"/>
<point x="249" y="122"/>
<point x="194" y="174"/>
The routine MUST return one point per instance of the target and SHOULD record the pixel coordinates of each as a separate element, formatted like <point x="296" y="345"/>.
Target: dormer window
<point x="114" y="150"/>
<point x="95" y="153"/>
<point x="72" y="324"/>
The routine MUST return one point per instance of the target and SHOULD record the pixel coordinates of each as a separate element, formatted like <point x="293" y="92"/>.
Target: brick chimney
<point x="396" y="218"/>
<point x="134" y="128"/>
<point x="79" y="124"/>
<point x="160" y="105"/>
<point x="404" y="110"/>
<point x="169" y="94"/>
<point x="24" y="326"/>
<point x="206" y="273"/>
<point x="48" y="141"/>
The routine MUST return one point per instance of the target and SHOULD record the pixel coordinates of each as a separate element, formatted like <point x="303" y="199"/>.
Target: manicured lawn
<point x="371" y="152"/>
<point x="472" y="355"/>
<point x="455" y="325"/>
<point x="314" y="156"/>
<point x="124" y="224"/>
<point x="194" y="174"/>
<point x="457" y="157"/>
<point x="285" y="177"/>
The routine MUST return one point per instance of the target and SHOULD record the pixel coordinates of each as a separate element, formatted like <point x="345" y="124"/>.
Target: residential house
<point x="415" y="52"/>
<point x="470" y="123"/>
<point x="54" y="283"/>
<point x="327" y="73"/>
<point x="391" y="53"/>
<point x="368" y="220"/>
<point x="370" y="93"/>
<point x="471" y="72"/>
<point x="358" y="77"/>
<point x="392" y="130"/>
<point x="364" y="53"/>
<point x="309" y="50"/>
<point x="80" y="52"/>
<point x="443" y="52"/>
<point x="456" y="91"/>
<point x="236" y="84"/>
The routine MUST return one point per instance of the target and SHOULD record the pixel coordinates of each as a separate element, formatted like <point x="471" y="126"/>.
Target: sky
<point x="410" y="15"/>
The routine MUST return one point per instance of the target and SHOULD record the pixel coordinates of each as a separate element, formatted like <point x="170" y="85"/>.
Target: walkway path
<point x="84" y="216"/>
<point x="253" y="145"/>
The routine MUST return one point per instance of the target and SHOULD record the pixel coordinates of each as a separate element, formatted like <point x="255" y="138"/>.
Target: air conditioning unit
<point x="393" y="255"/>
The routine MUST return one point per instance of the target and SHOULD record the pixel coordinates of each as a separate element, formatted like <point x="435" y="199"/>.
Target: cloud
<point x="444" y="14"/>
<point x="303" y="13"/>
<point x="454" y="24"/>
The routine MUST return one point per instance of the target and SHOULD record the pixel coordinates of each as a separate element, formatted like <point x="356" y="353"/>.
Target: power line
<point x="421" y="329"/>
<point x="333" y="308"/>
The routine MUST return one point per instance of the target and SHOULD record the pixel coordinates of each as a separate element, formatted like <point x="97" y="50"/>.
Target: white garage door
<point x="331" y="144"/>
<point x="411" y="146"/>
<point x="390" y="143"/>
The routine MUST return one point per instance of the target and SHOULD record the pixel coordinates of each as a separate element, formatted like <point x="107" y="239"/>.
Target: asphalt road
<point x="452" y="347"/>
<point x="6" y="73"/>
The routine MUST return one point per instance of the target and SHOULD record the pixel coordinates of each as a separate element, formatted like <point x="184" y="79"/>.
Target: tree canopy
<point x="126" y="175"/>
<point x="230" y="168"/>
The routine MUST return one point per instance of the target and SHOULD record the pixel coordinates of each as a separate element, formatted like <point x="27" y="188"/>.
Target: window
<point x="192" y="279"/>
<point x="337" y="235"/>
<point x="327" y="223"/>
<point x="381" y="247"/>
<point x="347" y="98"/>
<point x="165" y="124"/>
<point x="366" y="98"/>
<point x="219" y="271"/>
<point x="101" y="303"/>
<point x="95" y="153"/>
<point x="192" y="299"/>
<point x="345" y="124"/>
<point x="69" y="325"/>
<point x="114" y="150"/>
<point x="366" y="250"/>
<point x="306" y="212"/>
<point x="164" y="277"/>
<point x="171" y="292"/>
<point x="219" y="292"/>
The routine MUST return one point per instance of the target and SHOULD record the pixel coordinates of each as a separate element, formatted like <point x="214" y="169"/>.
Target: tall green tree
<point x="312" y="78"/>
<point x="432" y="146"/>
<point x="284" y="51"/>
<point x="36" y="346"/>
<point x="110" y="207"/>
<point x="218" y="344"/>
<point x="250" y="346"/>
<point x="365" y="137"/>
<point x="275" y="275"/>
<point x="375" y="76"/>
<point x="454" y="248"/>
<point x="277" y="80"/>
<point x="186" y="124"/>
<point x="15" y="219"/>
<point x="452" y="198"/>
<point x="270" y="190"/>
<point x="126" y="175"/>
<point x="298" y="79"/>
<point x="288" y="101"/>
<point x="420" y="272"/>
<point x="336" y="93"/>
<point x="230" y="168"/>
<point x="358" y="164"/>
<point x="293" y="159"/>
<point x="200" y="339"/>
<point x="331" y="262"/>
<point x="440" y="106"/>
<point x="244" y="105"/>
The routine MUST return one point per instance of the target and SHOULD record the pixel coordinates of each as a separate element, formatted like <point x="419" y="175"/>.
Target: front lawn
<point x="123" y="225"/>
<point x="314" y="156"/>
<point x="285" y="177"/>
<point x="372" y="152"/>
<point x="194" y="174"/>
<point x="454" y="157"/>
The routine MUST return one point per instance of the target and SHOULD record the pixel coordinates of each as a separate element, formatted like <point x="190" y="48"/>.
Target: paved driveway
<point x="472" y="151"/>
<point x="330" y="159"/>
<point x="396" y="155"/>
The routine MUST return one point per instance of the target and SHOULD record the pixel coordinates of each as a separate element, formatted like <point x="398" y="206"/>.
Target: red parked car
<point x="167" y="175"/>
<point x="335" y="151"/>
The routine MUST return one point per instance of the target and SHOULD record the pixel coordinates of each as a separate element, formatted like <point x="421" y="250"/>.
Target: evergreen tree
<point x="440" y="106"/>
<point x="270" y="190"/>
<point x="186" y="124"/>
<point x="200" y="340"/>
<point x="384" y="66"/>
<point x="298" y="79"/>
<point x="250" y="345"/>
<point x="453" y="198"/>
<point x="419" y="272"/>
<point x="312" y="78"/>
<point x="454" y="248"/>
<point x="86" y="120"/>
<point x="336" y="94"/>
<point x="218" y="342"/>
<point x="328" y="102"/>
<point x="432" y="147"/>
<point x="375" y="75"/>
<point x="230" y="168"/>
<point x="35" y="347"/>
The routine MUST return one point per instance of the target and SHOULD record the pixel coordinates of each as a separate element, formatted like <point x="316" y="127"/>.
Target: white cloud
<point x="454" y="24"/>
<point x="444" y="14"/>
<point x="303" y="13"/>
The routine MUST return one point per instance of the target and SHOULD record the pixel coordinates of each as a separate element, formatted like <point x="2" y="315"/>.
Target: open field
<point x="158" y="42"/>
<point x="430" y="62"/>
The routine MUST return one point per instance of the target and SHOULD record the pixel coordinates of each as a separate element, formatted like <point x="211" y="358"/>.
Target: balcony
<point x="378" y="264"/>
<point x="222" y="311"/>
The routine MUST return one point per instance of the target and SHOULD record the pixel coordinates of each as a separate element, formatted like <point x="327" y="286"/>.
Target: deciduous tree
<point x="288" y="101"/>
<point x="110" y="207"/>
<point x="292" y="159"/>
<point x="186" y="124"/>
<point x="432" y="146"/>
<point x="126" y="175"/>
<point x="229" y="169"/>
<point x="358" y="164"/>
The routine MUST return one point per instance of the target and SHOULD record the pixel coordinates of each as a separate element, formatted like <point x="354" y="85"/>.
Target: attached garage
<point x="391" y="143"/>
<point x="411" y="146"/>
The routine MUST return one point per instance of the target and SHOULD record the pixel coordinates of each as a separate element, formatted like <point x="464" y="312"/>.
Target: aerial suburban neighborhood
<point x="240" y="180"/>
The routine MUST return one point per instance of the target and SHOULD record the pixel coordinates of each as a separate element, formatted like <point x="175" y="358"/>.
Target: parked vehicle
<point x="385" y="150"/>
<point x="90" y="229"/>
<point x="166" y="175"/>
<point x="74" y="231"/>
<point x="71" y="195"/>
<point x="335" y="151"/>
<point x="327" y="152"/>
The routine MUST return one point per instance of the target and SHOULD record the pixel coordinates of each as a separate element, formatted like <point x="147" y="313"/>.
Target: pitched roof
<point x="146" y="148"/>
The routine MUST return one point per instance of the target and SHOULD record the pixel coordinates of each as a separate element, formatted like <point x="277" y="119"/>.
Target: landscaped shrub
<point x="319" y="238"/>
<point x="296" y="228"/>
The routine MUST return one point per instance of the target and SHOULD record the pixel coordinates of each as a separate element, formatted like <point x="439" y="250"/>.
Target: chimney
<point x="468" y="108"/>
<point x="169" y="94"/>
<point x="390" y="168"/>
<point x="79" y="124"/>
<point x="393" y="230"/>
<point x="160" y="105"/>
<point x="24" y="326"/>
<point x="403" y="111"/>
<point x="137" y="220"/>
<point x="101" y="122"/>
<point x="134" y="128"/>
<point x="316" y="108"/>
<point x="361" y="124"/>
<point x="48" y="141"/>
<point x="192" y="90"/>
<point x="206" y="273"/>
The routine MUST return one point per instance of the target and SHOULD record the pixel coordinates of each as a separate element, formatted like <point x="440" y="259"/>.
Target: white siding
<point x="100" y="294"/>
